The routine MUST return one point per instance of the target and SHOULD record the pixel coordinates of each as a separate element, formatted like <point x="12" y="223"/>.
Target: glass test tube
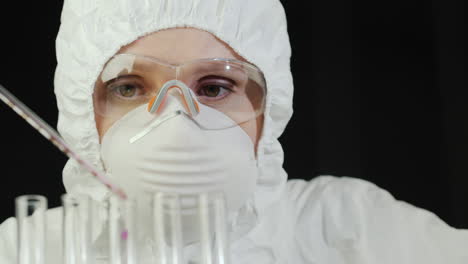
<point x="122" y="231"/>
<point x="181" y="220"/>
<point x="30" y="214"/>
<point x="77" y="228"/>
<point x="168" y="228"/>
<point x="220" y="225"/>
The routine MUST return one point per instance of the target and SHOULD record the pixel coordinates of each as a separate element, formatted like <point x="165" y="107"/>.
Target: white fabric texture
<point x="327" y="220"/>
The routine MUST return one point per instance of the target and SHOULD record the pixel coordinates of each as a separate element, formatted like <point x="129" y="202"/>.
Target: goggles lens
<point x="235" y="88"/>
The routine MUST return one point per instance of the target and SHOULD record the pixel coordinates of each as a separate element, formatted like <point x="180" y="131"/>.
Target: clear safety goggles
<point x="235" y="88"/>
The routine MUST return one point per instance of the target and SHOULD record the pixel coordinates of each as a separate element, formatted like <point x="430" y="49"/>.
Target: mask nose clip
<point x="155" y="105"/>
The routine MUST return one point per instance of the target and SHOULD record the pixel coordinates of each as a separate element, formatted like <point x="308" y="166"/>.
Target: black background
<point x="379" y="95"/>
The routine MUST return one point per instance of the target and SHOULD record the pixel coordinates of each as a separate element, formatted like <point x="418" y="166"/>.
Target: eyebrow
<point x="218" y="68"/>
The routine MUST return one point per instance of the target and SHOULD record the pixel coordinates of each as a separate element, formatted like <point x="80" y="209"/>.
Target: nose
<point x="155" y="105"/>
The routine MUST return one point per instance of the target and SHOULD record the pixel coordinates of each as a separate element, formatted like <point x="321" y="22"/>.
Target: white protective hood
<point x="92" y="31"/>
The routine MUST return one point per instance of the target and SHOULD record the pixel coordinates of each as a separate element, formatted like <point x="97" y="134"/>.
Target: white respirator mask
<point x="170" y="152"/>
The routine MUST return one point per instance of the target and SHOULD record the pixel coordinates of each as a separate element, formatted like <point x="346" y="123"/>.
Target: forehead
<point x="178" y="45"/>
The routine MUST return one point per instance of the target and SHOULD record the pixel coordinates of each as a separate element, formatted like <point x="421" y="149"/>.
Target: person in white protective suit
<point x="328" y="220"/>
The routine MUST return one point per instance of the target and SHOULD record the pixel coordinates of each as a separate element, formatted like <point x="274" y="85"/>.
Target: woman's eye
<point x="214" y="87"/>
<point x="213" y="90"/>
<point x="126" y="90"/>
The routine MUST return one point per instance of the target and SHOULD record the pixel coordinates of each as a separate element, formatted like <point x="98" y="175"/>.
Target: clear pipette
<point x="52" y="135"/>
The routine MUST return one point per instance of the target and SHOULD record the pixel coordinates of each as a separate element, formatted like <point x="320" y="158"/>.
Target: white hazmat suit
<point x="328" y="220"/>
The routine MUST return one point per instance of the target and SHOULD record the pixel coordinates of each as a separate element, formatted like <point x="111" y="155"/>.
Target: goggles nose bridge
<point x="156" y="103"/>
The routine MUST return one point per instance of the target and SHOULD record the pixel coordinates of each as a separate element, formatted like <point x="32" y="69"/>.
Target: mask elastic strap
<point x="156" y="103"/>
